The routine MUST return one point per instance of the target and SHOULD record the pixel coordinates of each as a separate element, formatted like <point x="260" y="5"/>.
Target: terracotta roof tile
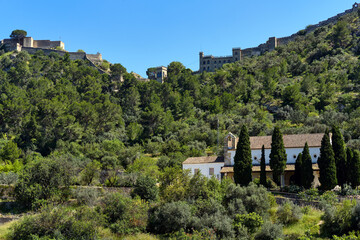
<point x="290" y="141"/>
<point x="206" y="159"/>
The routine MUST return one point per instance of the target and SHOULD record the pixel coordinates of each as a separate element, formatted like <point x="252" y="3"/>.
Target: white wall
<point x="204" y="168"/>
<point x="314" y="151"/>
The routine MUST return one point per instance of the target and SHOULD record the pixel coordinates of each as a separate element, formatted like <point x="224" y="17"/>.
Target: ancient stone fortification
<point x="210" y="63"/>
<point x="32" y="46"/>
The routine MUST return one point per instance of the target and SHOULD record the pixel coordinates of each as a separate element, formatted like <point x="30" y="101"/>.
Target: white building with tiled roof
<point x="223" y="167"/>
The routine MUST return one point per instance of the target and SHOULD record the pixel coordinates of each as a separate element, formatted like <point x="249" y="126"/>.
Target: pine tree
<point x="297" y="173"/>
<point x="242" y="159"/>
<point x="278" y="155"/>
<point x="263" y="167"/>
<point x="326" y="164"/>
<point x="307" y="176"/>
<point x="353" y="167"/>
<point x="338" y="146"/>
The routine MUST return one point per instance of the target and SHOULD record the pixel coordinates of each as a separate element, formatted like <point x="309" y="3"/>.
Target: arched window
<point x="208" y="61"/>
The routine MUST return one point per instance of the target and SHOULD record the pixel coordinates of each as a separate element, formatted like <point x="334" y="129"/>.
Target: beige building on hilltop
<point x="29" y="42"/>
<point x="157" y="73"/>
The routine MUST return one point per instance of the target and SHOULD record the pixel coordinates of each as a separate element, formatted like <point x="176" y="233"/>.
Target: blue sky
<point x="146" y="33"/>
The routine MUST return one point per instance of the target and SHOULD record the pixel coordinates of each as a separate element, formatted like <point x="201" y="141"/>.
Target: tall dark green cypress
<point x="278" y="155"/>
<point x="338" y="146"/>
<point x="242" y="159"/>
<point x="353" y="167"/>
<point x="326" y="164"/>
<point x="297" y="173"/>
<point x="263" y="167"/>
<point x="307" y="175"/>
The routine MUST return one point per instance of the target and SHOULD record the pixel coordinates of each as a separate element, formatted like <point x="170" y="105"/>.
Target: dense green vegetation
<point x="67" y="128"/>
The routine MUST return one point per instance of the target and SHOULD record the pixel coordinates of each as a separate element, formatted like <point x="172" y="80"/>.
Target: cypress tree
<point x="307" y="176"/>
<point x="326" y="164"/>
<point x="297" y="173"/>
<point x="263" y="167"/>
<point x="338" y="146"/>
<point x="278" y="155"/>
<point x="242" y="159"/>
<point x="354" y="167"/>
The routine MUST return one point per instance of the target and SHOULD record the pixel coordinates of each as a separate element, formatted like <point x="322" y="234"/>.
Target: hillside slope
<point x="50" y="104"/>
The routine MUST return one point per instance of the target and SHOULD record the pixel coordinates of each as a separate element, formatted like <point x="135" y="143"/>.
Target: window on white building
<point x="196" y="170"/>
<point x="211" y="171"/>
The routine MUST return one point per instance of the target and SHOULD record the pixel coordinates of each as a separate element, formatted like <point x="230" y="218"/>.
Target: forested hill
<point x="54" y="106"/>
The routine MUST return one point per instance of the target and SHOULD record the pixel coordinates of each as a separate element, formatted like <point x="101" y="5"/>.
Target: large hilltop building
<point x="15" y="44"/>
<point x="32" y="46"/>
<point x="210" y="63"/>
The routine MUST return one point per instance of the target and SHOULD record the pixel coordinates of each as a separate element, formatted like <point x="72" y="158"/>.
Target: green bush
<point x="146" y="188"/>
<point x="57" y="222"/>
<point x="269" y="231"/>
<point x="42" y="180"/>
<point x="134" y="219"/>
<point x="8" y="178"/>
<point x="254" y="198"/>
<point x="340" y="219"/>
<point x="124" y="215"/>
<point x="289" y="213"/>
<point x="86" y="196"/>
<point x="169" y="218"/>
<point x="251" y="221"/>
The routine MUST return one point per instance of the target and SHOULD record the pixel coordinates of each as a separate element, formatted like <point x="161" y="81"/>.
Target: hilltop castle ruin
<point x="209" y="63"/>
<point x="32" y="46"/>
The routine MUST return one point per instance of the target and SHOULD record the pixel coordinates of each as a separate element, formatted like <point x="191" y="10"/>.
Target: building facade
<point x="157" y="73"/>
<point x="29" y="42"/>
<point x="224" y="166"/>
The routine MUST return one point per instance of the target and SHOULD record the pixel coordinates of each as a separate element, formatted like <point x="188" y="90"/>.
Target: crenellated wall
<point x="210" y="63"/>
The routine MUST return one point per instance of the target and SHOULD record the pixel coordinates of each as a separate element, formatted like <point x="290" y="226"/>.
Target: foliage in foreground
<point x="59" y="223"/>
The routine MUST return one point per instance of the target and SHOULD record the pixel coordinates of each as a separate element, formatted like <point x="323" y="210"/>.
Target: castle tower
<point x="201" y="65"/>
<point x="272" y="43"/>
<point x="236" y="54"/>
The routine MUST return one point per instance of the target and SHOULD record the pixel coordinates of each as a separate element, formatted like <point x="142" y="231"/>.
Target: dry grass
<point x="5" y="228"/>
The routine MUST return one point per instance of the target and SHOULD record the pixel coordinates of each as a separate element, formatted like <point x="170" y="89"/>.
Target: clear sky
<point x="147" y="33"/>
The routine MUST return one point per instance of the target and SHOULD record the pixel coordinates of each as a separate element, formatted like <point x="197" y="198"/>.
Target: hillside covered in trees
<point x="65" y="124"/>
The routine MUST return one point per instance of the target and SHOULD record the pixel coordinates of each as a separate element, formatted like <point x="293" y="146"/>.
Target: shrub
<point x="86" y="196"/>
<point x="8" y="178"/>
<point x="58" y="223"/>
<point x="134" y="219"/>
<point x="146" y="188"/>
<point x="41" y="180"/>
<point x="124" y="215"/>
<point x="269" y="231"/>
<point x="251" y="221"/>
<point x="339" y="219"/>
<point x="289" y="213"/>
<point x="311" y="194"/>
<point x="114" y="206"/>
<point x="254" y="198"/>
<point x="169" y="218"/>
